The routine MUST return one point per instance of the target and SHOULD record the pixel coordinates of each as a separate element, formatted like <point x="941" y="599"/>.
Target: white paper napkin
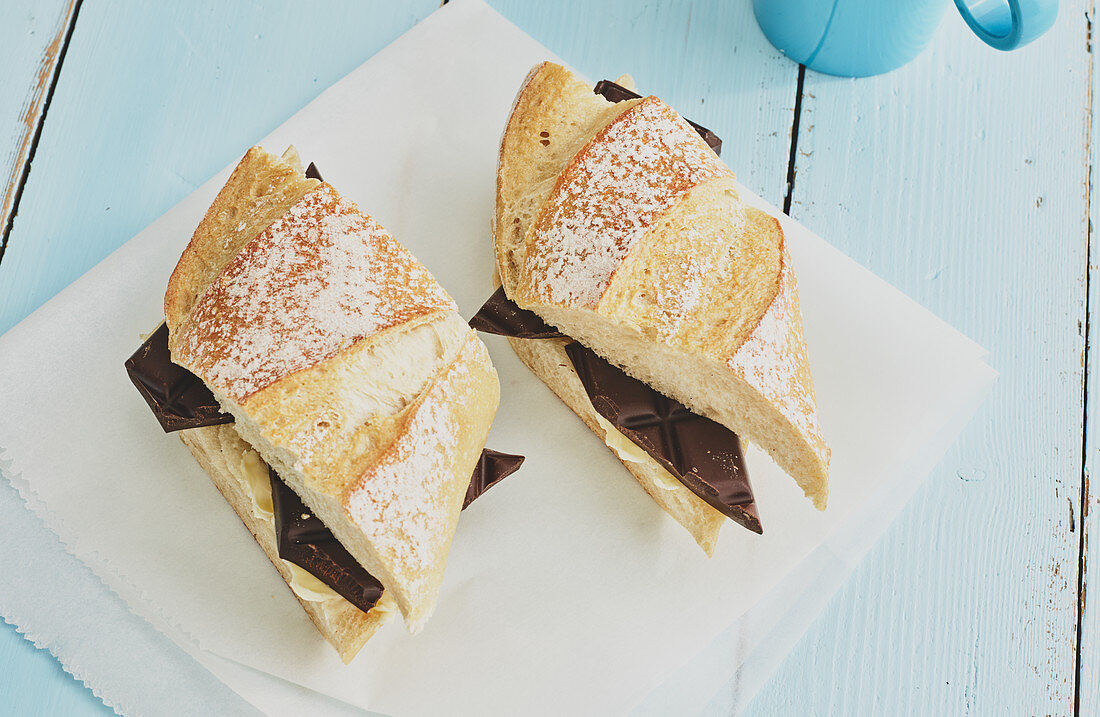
<point x="567" y="589"/>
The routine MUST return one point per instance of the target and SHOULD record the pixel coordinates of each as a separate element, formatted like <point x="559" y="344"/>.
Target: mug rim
<point x="1028" y="20"/>
<point x="1008" y="40"/>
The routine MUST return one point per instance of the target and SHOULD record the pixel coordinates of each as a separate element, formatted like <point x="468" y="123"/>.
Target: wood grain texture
<point x="961" y="179"/>
<point x="1088" y="676"/>
<point x="30" y="43"/>
<point x="33" y="36"/>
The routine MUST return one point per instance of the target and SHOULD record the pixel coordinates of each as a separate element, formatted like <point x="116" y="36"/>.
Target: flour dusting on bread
<point x="395" y="502"/>
<point x="408" y="502"/>
<point x="629" y="175"/>
<point x="772" y="360"/>
<point x="323" y="276"/>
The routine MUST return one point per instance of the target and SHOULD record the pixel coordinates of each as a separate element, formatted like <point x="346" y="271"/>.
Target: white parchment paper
<point x="567" y="589"/>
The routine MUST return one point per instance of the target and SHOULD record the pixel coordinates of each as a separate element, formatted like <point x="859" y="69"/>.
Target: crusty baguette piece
<point x="232" y="464"/>
<point x="260" y="190"/>
<point x="345" y="365"/>
<point x="617" y="224"/>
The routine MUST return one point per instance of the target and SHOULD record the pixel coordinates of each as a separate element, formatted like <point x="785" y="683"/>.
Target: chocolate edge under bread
<point x="177" y="397"/>
<point x="701" y="453"/>
<point x="502" y="316"/>
<point x="307" y="542"/>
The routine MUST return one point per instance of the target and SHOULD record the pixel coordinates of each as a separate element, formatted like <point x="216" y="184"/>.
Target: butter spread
<point x="307" y="587"/>
<point x="629" y="451"/>
<point x="258" y="482"/>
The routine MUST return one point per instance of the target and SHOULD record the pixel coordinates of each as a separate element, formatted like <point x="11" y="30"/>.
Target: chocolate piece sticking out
<point x="308" y="543"/>
<point x="491" y="468"/>
<point x="179" y="399"/>
<point x="312" y="173"/>
<point x="614" y="92"/>
<point x="617" y="93"/>
<point x="500" y="315"/>
<point x="703" y="454"/>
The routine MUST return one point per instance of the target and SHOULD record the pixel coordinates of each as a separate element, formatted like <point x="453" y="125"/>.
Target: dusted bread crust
<point x="337" y="353"/>
<point x="260" y="190"/>
<point x="320" y="279"/>
<point x="618" y="225"/>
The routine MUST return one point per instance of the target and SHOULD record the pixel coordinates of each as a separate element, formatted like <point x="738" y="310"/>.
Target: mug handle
<point x="1008" y="24"/>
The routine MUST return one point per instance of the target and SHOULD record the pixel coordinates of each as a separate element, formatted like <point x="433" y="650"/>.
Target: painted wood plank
<point x="961" y="179"/>
<point x="1088" y="675"/>
<point x="34" y="683"/>
<point x="32" y="37"/>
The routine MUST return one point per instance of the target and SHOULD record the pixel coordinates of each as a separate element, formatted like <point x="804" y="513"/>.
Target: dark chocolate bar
<point x="178" y="398"/>
<point x="308" y="543"/>
<point x="617" y="93"/>
<point x="500" y="315"/>
<point x="313" y="173"/>
<point x="491" y="468"/>
<point x="305" y="541"/>
<point x="703" y="454"/>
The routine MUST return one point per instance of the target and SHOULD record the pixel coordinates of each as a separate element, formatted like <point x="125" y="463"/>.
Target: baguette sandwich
<point x="330" y="389"/>
<point x="619" y="228"/>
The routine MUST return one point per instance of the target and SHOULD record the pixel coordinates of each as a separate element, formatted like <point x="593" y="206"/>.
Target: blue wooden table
<point x="964" y="179"/>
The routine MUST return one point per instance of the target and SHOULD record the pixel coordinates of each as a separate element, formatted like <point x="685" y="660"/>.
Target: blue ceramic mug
<point x="856" y="38"/>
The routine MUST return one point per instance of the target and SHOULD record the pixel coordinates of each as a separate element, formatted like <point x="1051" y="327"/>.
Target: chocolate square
<point x="308" y="543"/>
<point x="502" y="316"/>
<point x="179" y="399"/>
<point x="703" y="454"/>
<point x="491" y="468"/>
